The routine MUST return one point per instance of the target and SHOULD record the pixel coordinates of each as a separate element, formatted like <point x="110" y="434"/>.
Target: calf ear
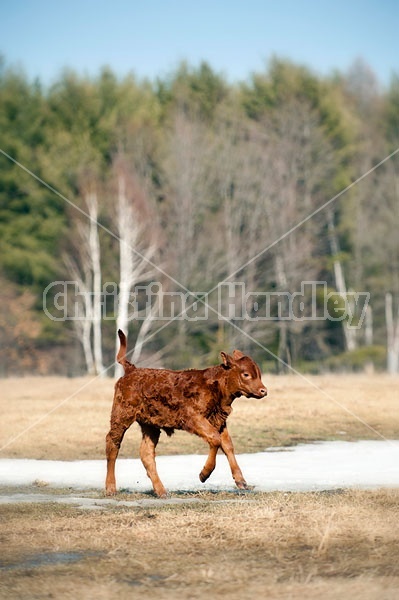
<point x="227" y="360"/>
<point x="237" y="354"/>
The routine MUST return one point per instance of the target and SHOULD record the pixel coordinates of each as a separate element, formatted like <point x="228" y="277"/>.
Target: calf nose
<point x="263" y="392"/>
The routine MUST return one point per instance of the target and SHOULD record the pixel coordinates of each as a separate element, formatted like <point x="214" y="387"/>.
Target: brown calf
<point x="197" y="401"/>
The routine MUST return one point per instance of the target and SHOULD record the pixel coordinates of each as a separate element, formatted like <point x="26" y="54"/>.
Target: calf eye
<point x="246" y="375"/>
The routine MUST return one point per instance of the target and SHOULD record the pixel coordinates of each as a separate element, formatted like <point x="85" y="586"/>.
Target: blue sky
<point x="235" y="37"/>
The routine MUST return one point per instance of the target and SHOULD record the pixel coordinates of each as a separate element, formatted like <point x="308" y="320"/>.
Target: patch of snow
<point x="307" y="467"/>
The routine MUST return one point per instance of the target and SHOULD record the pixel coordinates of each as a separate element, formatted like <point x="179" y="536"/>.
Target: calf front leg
<point x="228" y="449"/>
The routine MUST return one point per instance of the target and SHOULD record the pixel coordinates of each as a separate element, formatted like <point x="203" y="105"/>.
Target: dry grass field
<point x="278" y="545"/>
<point x="57" y="418"/>
<point x="330" y="545"/>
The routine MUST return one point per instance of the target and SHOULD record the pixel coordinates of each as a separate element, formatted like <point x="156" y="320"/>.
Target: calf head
<point x="244" y="377"/>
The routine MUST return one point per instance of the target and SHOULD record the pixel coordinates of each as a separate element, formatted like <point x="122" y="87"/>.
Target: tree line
<point x="191" y="183"/>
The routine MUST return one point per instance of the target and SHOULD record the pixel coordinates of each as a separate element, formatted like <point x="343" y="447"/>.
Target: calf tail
<point x="121" y="356"/>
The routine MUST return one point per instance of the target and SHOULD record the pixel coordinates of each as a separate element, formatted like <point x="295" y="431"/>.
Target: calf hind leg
<point x="210" y="464"/>
<point x="147" y="455"/>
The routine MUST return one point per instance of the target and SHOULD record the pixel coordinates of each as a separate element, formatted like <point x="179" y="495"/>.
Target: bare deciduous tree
<point x="268" y="177"/>
<point x="85" y="271"/>
<point x="91" y="200"/>
<point x="137" y="248"/>
<point x="81" y="306"/>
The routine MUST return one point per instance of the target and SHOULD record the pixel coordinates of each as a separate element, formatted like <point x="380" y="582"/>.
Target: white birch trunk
<point x="349" y="334"/>
<point x="133" y="267"/>
<point x="94" y="246"/>
<point x="124" y="223"/>
<point x="83" y="323"/>
<point x="86" y="344"/>
<point x="144" y="329"/>
<point x="392" y="336"/>
<point x="83" y="328"/>
<point x="283" y="348"/>
<point x="368" y="324"/>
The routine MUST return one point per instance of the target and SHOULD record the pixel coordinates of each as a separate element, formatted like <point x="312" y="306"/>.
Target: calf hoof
<point x="203" y="476"/>
<point x="243" y="485"/>
<point x="110" y="491"/>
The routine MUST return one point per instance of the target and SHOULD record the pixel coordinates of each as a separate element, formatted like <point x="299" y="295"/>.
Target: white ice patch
<point x="319" y="466"/>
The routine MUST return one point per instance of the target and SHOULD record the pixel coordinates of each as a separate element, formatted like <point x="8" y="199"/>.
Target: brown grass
<point x="283" y="546"/>
<point x="59" y="418"/>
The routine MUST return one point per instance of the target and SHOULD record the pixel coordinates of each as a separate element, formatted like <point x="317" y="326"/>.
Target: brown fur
<point x="197" y="401"/>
